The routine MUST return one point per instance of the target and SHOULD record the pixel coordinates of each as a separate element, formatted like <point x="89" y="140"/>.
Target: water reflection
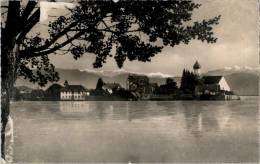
<point x="202" y="119"/>
<point x="174" y="131"/>
<point x="115" y="110"/>
<point x="199" y="118"/>
<point x="9" y="141"/>
<point x="72" y="107"/>
<point x="93" y="110"/>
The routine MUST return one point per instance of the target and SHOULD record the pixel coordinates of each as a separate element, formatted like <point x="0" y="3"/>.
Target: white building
<point x="211" y="84"/>
<point x="219" y="83"/>
<point x="73" y="92"/>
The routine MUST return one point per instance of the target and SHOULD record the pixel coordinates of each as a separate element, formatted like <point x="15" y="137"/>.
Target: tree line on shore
<point x="187" y="86"/>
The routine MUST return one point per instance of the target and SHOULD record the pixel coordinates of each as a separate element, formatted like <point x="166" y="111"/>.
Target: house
<point x="213" y="85"/>
<point x="73" y="92"/>
<point x="218" y="82"/>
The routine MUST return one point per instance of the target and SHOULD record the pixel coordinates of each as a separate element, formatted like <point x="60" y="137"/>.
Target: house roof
<point x="212" y="79"/>
<point x="73" y="88"/>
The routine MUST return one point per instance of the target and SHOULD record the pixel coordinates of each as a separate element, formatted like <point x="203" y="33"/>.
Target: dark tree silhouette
<point x="170" y="82"/>
<point x="100" y="84"/>
<point x="189" y="81"/>
<point x="170" y="87"/>
<point x="184" y="80"/>
<point x="123" y="30"/>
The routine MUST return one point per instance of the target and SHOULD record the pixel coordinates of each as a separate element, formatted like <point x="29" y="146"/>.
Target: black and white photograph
<point x="130" y="81"/>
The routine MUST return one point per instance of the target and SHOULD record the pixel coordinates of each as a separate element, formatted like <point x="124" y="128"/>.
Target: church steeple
<point x="196" y="68"/>
<point x="66" y="83"/>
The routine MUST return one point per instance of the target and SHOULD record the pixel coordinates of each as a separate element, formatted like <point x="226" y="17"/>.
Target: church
<point x="212" y="87"/>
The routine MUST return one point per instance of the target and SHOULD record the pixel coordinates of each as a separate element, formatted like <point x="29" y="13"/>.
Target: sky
<point x="237" y="44"/>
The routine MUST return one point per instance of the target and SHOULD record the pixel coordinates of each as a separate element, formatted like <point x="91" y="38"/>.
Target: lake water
<point x="144" y="131"/>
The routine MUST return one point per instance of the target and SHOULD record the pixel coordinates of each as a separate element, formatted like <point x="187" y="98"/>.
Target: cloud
<point x="111" y="73"/>
<point x="248" y="68"/>
<point x="158" y="74"/>
<point x="47" y="7"/>
<point x="228" y="68"/>
<point x="236" y="67"/>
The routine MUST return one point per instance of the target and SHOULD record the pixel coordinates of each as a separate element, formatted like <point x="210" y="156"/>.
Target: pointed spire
<point x="196" y="65"/>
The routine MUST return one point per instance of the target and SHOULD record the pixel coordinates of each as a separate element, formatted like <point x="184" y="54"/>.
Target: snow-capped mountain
<point x="88" y="78"/>
<point x="242" y="80"/>
<point x="235" y="69"/>
<point x="113" y="73"/>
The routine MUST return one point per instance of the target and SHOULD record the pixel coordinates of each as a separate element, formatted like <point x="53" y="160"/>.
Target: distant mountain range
<point x="88" y="78"/>
<point x="243" y="81"/>
<point x="236" y="69"/>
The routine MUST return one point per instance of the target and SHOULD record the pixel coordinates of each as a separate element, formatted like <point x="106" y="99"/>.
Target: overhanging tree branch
<point x="30" y="23"/>
<point x="28" y="10"/>
<point x="54" y="39"/>
<point x="28" y="54"/>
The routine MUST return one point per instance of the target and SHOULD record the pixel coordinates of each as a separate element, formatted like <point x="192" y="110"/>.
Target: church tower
<point x="196" y="68"/>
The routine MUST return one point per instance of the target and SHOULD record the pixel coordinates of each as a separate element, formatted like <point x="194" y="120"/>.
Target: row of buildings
<point x="57" y="92"/>
<point x="209" y="87"/>
<point x="79" y="92"/>
<point x="140" y="88"/>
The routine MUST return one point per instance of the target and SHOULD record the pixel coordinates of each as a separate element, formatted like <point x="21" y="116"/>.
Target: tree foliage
<point x="100" y="84"/>
<point x="132" y="30"/>
<point x="170" y="87"/>
<point x="189" y="81"/>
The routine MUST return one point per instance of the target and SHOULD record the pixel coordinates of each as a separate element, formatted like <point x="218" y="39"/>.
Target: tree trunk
<point x="8" y="72"/>
<point x="7" y="90"/>
<point x="9" y="52"/>
<point x="5" y="110"/>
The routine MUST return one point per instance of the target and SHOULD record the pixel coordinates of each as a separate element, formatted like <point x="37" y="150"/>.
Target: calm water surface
<point x="165" y="131"/>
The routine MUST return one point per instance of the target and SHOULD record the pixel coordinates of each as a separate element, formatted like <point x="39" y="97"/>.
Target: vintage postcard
<point x="122" y="81"/>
